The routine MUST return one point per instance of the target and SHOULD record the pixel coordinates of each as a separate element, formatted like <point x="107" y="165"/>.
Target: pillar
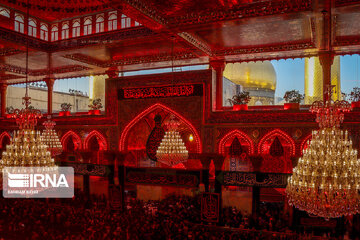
<point x="3" y="89"/>
<point x="50" y="86"/>
<point x="205" y="161"/>
<point x="111" y="175"/>
<point x="121" y="172"/>
<point x="86" y="185"/>
<point x="218" y="66"/>
<point x="255" y="200"/>
<point x="326" y="61"/>
<point x="120" y="157"/>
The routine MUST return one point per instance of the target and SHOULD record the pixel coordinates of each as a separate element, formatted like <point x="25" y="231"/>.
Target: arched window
<point x="100" y="24"/>
<point x="32" y="27"/>
<point x="125" y="21"/>
<point x="44" y="32"/>
<point x="19" y="23"/>
<point x="87" y="27"/>
<point x="76" y="28"/>
<point x="65" y="31"/>
<point x="4" y="12"/>
<point x="54" y="33"/>
<point x="112" y="23"/>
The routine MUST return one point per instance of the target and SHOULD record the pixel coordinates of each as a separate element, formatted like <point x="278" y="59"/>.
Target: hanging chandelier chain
<point x="26" y="101"/>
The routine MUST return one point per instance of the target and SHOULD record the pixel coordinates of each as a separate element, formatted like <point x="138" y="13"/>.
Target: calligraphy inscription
<point x="210" y="207"/>
<point x="161" y="92"/>
<point x="161" y="179"/>
<point x="251" y="179"/>
<point x="87" y="169"/>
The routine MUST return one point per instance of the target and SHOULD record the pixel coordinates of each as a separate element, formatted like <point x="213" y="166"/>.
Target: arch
<point x="152" y="108"/>
<point x="76" y="139"/>
<point x="304" y="143"/>
<point x="76" y="28"/>
<point x="2" y="136"/>
<point x="101" y="140"/>
<point x="19" y="23"/>
<point x="112" y="21"/>
<point x="87" y="26"/>
<point x="54" y="32"/>
<point x="65" y="30"/>
<point x="233" y="134"/>
<point x="4" y="12"/>
<point x="274" y="133"/>
<point x="32" y="28"/>
<point x="43" y="31"/>
<point x="99" y="23"/>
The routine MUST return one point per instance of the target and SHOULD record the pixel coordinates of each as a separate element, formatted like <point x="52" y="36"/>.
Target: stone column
<point x="218" y="66"/>
<point x="3" y="89"/>
<point x="50" y="86"/>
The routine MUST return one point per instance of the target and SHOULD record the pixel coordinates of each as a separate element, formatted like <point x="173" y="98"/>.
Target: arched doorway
<point x="136" y="134"/>
<point x="95" y="141"/>
<point x="71" y="142"/>
<point x="4" y="140"/>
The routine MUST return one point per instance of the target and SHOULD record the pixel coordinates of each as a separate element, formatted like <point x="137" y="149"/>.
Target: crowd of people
<point x="173" y="218"/>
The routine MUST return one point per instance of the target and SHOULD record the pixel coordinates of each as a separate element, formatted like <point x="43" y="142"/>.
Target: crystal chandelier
<point x="26" y="148"/>
<point x="172" y="150"/>
<point x="326" y="181"/>
<point x="50" y="138"/>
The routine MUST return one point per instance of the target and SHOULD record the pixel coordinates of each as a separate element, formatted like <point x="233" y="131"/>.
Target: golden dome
<point x="252" y="74"/>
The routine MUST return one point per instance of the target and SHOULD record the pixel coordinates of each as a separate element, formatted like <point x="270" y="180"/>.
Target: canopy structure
<point x="82" y="38"/>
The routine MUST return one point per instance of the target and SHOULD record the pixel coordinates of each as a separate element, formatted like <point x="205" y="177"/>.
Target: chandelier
<point x="50" y="138"/>
<point x="26" y="148"/>
<point x="172" y="150"/>
<point x="326" y="181"/>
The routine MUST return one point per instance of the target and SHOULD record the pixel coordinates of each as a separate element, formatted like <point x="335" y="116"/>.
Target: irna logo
<point x="37" y="180"/>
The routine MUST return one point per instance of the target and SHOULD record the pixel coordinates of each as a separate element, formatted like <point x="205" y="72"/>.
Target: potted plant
<point x="240" y="101"/>
<point x="355" y="97"/>
<point x="9" y="111"/>
<point x="65" y="109"/>
<point x="95" y="107"/>
<point x="293" y="99"/>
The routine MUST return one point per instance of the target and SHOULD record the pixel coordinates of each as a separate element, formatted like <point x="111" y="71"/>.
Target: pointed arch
<point x="2" y="135"/>
<point x="76" y="139"/>
<point x="4" y="12"/>
<point x="101" y="139"/>
<point x="240" y="135"/>
<point x="152" y="108"/>
<point x="304" y="143"/>
<point x="281" y="134"/>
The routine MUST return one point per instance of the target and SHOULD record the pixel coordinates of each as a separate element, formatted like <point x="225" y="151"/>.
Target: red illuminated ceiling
<point x="187" y="31"/>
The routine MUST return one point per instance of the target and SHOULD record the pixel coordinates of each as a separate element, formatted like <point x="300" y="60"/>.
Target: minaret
<point x="314" y="79"/>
